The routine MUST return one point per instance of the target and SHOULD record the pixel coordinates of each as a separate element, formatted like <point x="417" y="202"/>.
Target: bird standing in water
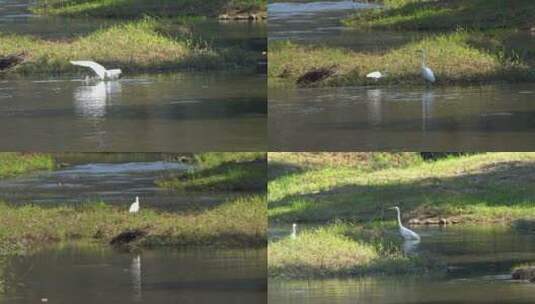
<point x="406" y="233"/>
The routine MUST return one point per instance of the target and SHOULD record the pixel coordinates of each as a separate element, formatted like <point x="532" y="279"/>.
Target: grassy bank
<point x="133" y="46"/>
<point x="491" y="187"/>
<point x="140" y="8"/>
<point x="238" y="223"/>
<point x="447" y="15"/>
<point x="340" y="250"/>
<point x="467" y="41"/>
<point x="356" y="190"/>
<point x="460" y="57"/>
<point x="12" y="164"/>
<point x="241" y="171"/>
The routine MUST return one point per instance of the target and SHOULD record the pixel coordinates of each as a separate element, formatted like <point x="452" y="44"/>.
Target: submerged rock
<point x="128" y="236"/>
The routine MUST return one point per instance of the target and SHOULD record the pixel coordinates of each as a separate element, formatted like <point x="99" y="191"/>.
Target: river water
<point x="111" y="178"/>
<point x="88" y="273"/>
<point x="224" y="111"/>
<point x="488" y="117"/>
<point x="479" y="262"/>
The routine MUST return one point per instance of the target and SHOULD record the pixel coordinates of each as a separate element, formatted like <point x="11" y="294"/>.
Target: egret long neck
<point x="423" y="58"/>
<point x="399" y="218"/>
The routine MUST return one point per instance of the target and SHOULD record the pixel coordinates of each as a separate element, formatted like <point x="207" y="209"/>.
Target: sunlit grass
<point x="222" y="171"/>
<point x="12" y="164"/>
<point x="238" y="223"/>
<point x="446" y="15"/>
<point x="339" y="250"/>
<point x="453" y="57"/>
<point x="140" y="8"/>
<point x="488" y="187"/>
<point x="133" y="46"/>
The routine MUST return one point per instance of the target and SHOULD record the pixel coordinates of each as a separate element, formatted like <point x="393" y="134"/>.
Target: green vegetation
<point x="467" y="41"/>
<point x="133" y="46"/>
<point x="241" y="171"/>
<point x="339" y="250"/>
<point x="488" y="187"/>
<point x="456" y="58"/>
<point x="140" y="8"/>
<point x="358" y="189"/>
<point x="447" y="15"/>
<point x="237" y="223"/>
<point x="12" y="164"/>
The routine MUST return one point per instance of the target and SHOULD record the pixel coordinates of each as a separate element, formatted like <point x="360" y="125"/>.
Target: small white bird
<point x="426" y="72"/>
<point x="134" y="208"/>
<point x="406" y="233"/>
<point x="376" y="75"/>
<point x="294" y="231"/>
<point x="101" y="71"/>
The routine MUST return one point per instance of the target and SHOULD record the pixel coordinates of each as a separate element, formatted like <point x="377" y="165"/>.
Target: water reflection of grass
<point x="491" y="187"/>
<point x="238" y="223"/>
<point x="340" y="250"/>
<point x="12" y="164"/>
<point x="140" y="8"/>
<point x="242" y="171"/>
<point x="132" y="46"/>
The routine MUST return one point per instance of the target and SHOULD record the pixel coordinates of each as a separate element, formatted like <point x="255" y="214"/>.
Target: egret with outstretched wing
<point x="101" y="71"/>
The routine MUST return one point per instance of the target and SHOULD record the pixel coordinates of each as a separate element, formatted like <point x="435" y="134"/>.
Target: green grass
<point x="237" y="223"/>
<point x="459" y="57"/>
<point x="447" y="15"/>
<point x="340" y="250"/>
<point x="491" y="187"/>
<point x="140" y="8"/>
<point x="132" y="46"/>
<point x="241" y="171"/>
<point x="12" y="164"/>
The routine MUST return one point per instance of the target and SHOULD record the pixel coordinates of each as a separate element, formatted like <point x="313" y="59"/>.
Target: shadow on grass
<point x="494" y="186"/>
<point x="247" y="176"/>
<point x="141" y="8"/>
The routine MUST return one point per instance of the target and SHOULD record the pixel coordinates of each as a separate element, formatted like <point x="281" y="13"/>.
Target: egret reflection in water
<point x="91" y="100"/>
<point x="135" y="271"/>
<point x="374" y="106"/>
<point x="427" y="108"/>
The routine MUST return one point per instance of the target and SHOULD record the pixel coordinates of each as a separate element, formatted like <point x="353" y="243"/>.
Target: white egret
<point x="134" y="208"/>
<point x="294" y="231"/>
<point x="426" y="72"/>
<point x="376" y="75"/>
<point x="406" y="233"/>
<point x="101" y="71"/>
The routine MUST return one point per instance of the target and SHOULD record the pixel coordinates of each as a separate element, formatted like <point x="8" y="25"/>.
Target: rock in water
<point x="11" y="61"/>
<point x="128" y="236"/>
<point x="315" y="75"/>
<point x="524" y="273"/>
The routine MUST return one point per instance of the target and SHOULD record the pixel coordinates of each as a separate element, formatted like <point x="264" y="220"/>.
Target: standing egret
<point x="426" y="72"/>
<point x="294" y="231"/>
<point x="406" y="233"/>
<point x="101" y="71"/>
<point x="134" y="208"/>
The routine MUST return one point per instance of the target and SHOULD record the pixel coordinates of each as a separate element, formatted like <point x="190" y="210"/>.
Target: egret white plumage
<point x="134" y="208"/>
<point x="406" y="233"/>
<point x="101" y="71"/>
<point x="426" y="72"/>
<point x="294" y="231"/>
<point x="376" y="75"/>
